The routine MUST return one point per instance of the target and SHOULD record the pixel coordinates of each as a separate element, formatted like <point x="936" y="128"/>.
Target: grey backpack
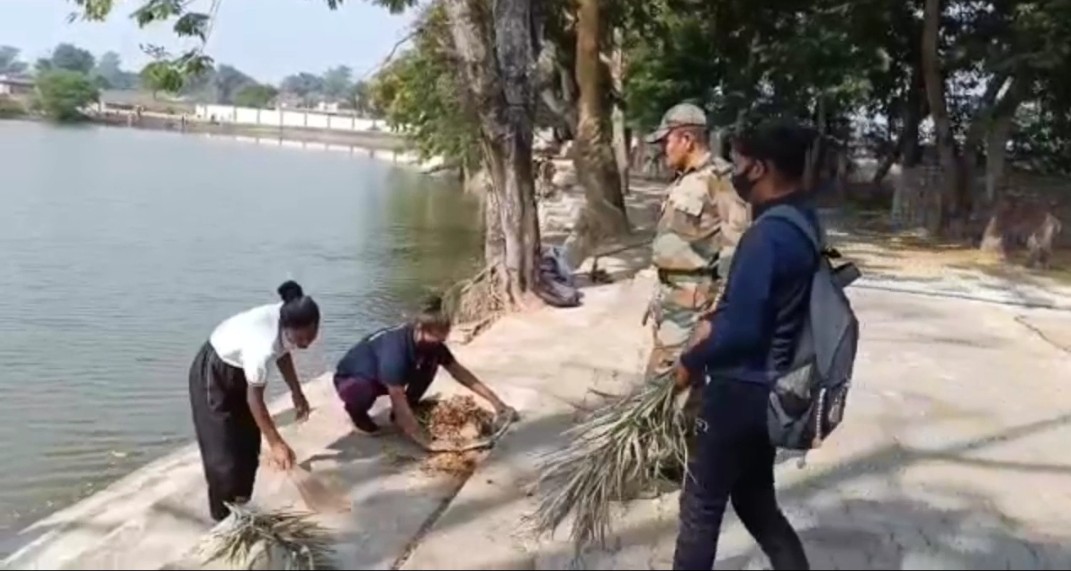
<point x="807" y="401"/>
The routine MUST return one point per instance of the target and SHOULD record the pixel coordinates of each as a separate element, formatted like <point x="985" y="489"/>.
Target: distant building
<point x="326" y="107"/>
<point x="15" y="85"/>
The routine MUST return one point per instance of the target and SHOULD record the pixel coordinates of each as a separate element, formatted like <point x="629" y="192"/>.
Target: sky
<point x="267" y="39"/>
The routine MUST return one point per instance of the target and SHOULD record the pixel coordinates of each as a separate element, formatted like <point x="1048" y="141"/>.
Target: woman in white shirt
<point x="227" y="382"/>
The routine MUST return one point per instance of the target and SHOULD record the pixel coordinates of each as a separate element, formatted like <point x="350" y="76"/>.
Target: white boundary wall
<point x="301" y="118"/>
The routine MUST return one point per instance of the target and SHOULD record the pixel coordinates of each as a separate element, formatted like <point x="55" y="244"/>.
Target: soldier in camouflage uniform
<point x="701" y="221"/>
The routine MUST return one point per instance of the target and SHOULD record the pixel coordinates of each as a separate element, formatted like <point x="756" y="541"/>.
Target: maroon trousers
<point x="359" y="395"/>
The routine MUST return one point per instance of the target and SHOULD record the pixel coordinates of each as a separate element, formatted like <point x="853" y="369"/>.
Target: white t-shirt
<point x="251" y="341"/>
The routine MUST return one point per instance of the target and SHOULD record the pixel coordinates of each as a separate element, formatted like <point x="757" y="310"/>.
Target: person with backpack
<point x="747" y="342"/>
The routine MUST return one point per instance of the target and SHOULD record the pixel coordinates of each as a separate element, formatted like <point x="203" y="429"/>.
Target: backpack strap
<point x="795" y="217"/>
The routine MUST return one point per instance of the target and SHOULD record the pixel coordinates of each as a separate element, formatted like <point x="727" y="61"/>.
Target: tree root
<point x="477" y="302"/>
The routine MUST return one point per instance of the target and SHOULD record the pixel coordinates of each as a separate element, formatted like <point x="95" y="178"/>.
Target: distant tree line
<point x="72" y="77"/>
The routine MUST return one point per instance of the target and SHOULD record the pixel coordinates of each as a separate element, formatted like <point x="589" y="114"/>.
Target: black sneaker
<point x="365" y="424"/>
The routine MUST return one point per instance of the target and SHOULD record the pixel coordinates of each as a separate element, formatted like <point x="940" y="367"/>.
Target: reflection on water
<point x="121" y="249"/>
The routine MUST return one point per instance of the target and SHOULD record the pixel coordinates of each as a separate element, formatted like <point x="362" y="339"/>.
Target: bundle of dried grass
<point x="250" y="539"/>
<point x="459" y="421"/>
<point x="622" y="448"/>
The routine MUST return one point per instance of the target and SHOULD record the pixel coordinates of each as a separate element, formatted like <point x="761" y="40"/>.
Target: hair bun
<point x="290" y="290"/>
<point x="433" y="304"/>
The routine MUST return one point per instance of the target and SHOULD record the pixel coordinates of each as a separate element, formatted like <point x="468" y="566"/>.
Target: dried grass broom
<point x="250" y="539"/>
<point x="622" y="448"/>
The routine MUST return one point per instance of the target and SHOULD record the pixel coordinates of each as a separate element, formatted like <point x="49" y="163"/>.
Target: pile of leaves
<point x="270" y="540"/>
<point x="457" y="420"/>
<point x="622" y="449"/>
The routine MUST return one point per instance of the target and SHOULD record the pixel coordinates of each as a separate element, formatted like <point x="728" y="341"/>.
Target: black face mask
<point x="742" y="184"/>
<point x="424" y="345"/>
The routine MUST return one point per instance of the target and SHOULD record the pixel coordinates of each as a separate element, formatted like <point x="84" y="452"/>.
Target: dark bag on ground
<point x="557" y="286"/>
<point x="808" y="400"/>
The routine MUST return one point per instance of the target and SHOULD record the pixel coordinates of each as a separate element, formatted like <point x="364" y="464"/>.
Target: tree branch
<point x="390" y="56"/>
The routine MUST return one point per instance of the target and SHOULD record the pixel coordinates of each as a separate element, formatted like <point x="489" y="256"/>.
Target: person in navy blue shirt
<point x="401" y="362"/>
<point x="739" y="350"/>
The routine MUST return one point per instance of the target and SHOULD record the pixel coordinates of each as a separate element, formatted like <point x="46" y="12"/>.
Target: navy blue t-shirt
<point x="759" y="317"/>
<point x="392" y="357"/>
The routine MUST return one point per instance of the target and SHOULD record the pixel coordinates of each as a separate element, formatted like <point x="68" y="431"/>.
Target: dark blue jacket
<point x="759" y="317"/>
<point x="393" y="357"/>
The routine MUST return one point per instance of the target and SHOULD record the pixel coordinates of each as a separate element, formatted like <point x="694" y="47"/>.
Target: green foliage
<point x="72" y="58"/>
<point x="422" y="94"/>
<point x="255" y="96"/>
<point x="160" y="76"/>
<point x="304" y="85"/>
<point x="228" y="81"/>
<point x="338" y="82"/>
<point x="360" y="99"/>
<point x="9" y="61"/>
<point x="62" y="94"/>
<point x="111" y="75"/>
<point x="739" y="59"/>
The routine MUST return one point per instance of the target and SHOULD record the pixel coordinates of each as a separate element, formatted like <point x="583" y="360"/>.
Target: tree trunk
<point x="596" y="167"/>
<point x="812" y="171"/>
<point x="496" y="58"/>
<point x="996" y="153"/>
<point x="494" y="242"/>
<point x="916" y="110"/>
<point x="907" y="149"/>
<point x="935" y="94"/>
<point x="617" y="115"/>
<point x="552" y="92"/>
<point x="890" y="159"/>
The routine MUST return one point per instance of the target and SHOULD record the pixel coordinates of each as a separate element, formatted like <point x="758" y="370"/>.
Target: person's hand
<point x="508" y="413"/>
<point x="682" y="378"/>
<point x="301" y="406"/>
<point x="700" y="333"/>
<point x="282" y="456"/>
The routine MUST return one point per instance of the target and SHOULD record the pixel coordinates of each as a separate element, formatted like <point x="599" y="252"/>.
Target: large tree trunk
<point x="907" y="149"/>
<point x="916" y="110"/>
<point x="617" y="115"/>
<point x="554" y="95"/>
<point x="497" y="59"/>
<point x="998" y="130"/>
<point x="596" y="167"/>
<point x="950" y="201"/>
<point x="996" y="153"/>
<point x="813" y="168"/>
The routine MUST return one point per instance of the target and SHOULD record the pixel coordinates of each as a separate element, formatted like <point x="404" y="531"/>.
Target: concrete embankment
<point x="543" y="362"/>
<point x="379" y="140"/>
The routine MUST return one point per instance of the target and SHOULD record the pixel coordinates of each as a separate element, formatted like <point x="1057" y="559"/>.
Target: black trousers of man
<point x="733" y="461"/>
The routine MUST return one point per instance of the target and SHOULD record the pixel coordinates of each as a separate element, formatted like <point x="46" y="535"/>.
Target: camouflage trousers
<point x="677" y="308"/>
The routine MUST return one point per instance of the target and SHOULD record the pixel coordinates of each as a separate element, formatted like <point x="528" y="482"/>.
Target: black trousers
<point x="733" y="461"/>
<point x="227" y="435"/>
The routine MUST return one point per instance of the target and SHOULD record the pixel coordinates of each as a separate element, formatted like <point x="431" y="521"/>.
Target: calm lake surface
<point x="120" y="250"/>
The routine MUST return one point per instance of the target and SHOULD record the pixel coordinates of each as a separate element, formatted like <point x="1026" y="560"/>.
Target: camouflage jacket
<point x="701" y="221"/>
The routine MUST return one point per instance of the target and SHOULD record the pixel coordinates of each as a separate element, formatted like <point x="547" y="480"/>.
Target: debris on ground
<point x="459" y="421"/>
<point x="251" y="539"/>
